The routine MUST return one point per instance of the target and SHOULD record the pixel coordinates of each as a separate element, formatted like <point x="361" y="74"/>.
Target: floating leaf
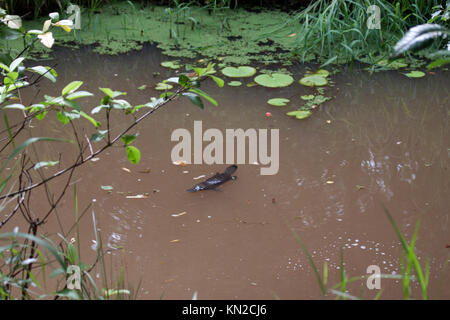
<point x="415" y="74"/>
<point x="308" y="97"/>
<point x="299" y="114"/>
<point x="313" y="80"/>
<point x="278" y="102"/>
<point x="397" y="64"/>
<point x="234" y="83"/>
<point x="171" y="64"/>
<point x="275" y="80"/>
<point x="239" y="72"/>
<point x="163" y="86"/>
<point x="107" y="188"/>
<point x="142" y="87"/>
<point x="322" y="72"/>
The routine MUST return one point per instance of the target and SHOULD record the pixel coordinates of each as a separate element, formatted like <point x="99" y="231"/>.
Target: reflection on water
<point x="382" y="140"/>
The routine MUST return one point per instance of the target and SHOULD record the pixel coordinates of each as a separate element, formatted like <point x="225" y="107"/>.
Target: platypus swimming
<point x="215" y="181"/>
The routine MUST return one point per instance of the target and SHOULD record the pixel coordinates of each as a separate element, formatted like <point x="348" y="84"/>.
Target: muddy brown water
<point x="382" y="140"/>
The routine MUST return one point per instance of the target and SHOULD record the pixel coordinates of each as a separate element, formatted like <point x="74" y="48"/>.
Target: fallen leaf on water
<point x="138" y="196"/>
<point x="107" y="188"/>
<point x="179" y="214"/>
<point x="126" y="170"/>
<point x="145" y="171"/>
<point x="155" y="190"/>
<point x="169" y="280"/>
<point x="142" y="87"/>
<point x="185" y="171"/>
<point x="328" y="121"/>
<point x="359" y="187"/>
<point x="95" y="159"/>
<point x="180" y="163"/>
<point x="175" y="240"/>
<point x="199" y="177"/>
<point x="330" y="182"/>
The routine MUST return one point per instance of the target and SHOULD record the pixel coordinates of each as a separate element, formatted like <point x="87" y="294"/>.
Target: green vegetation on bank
<point x="327" y="31"/>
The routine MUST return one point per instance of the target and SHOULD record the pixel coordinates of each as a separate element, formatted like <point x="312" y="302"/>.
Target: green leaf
<point x="163" y="86"/>
<point x="299" y="114"/>
<point x="204" y="95"/>
<point x="278" y="102"/>
<point x="184" y="81"/>
<point x="47" y="72"/>
<point x="438" y="63"/>
<point x="15" y="106"/>
<point x="129" y="138"/>
<point x="218" y="81"/>
<point x="71" y="87"/>
<point x="239" y="72"/>
<point x="194" y="98"/>
<point x="235" y="83"/>
<point x="170" y="64"/>
<point x="133" y="154"/>
<point x="9" y="34"/>
<point x="107" y="188"/>
<point x="72" y="254"/>
<point x="275" y="80"/>
<point x="78" y="94"/>
<point x="415" y="74"/>
<point x="96" y="137"/>
<point x="89" y="118"/>
<point x="15" y="64"/>
<point x="98" y="108"/>
<point x="112" y="94"/>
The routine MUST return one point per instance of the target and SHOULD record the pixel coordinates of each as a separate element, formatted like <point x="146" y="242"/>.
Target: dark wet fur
<point x="216" y="180"/>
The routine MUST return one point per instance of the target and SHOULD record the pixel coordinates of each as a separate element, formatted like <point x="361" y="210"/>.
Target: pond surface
<point x="382" y="141"/>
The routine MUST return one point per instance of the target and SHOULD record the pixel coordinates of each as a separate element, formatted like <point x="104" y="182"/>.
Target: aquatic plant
<point x="278" y="102"/>
<point x="238" y="72"/>
<point x="274" y="80"/>
<point x="313" y="80"/>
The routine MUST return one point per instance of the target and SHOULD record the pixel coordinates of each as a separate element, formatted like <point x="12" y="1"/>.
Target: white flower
<point x="47" y="39"/>
<point x="13" y="22"/>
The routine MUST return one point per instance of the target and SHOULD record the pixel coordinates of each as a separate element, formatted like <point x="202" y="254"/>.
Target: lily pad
<point x="171" y="64"/>
<point x="415" y="74"/>
<point x="322" y="72"/>
<point x="278" y="102"/>
<point x="274" y="80"/>
<point x="299" y="114"/>
<point x="239" y="72"/>
<point x="234" y="83"/>
<point x="308" y="97"/>
<point x="393" y="64"/>
<point x="163" y="86"/>
<point x="313" y="80"/>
